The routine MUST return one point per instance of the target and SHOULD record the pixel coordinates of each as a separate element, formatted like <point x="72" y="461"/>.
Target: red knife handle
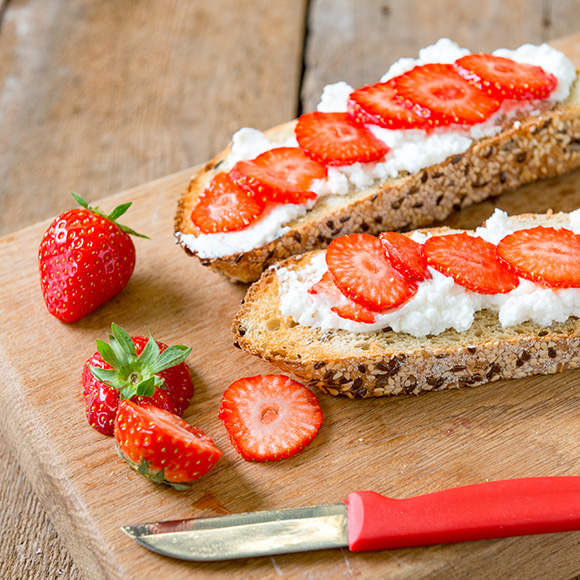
<point x="495" y="509"/>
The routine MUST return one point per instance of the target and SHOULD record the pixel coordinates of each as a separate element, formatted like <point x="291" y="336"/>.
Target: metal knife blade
<point x="370" y="521"/>
<point x="246" y="534"/>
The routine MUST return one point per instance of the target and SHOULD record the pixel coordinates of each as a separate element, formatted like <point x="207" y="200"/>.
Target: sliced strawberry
<point x="471" y="261"/>
<point x="406" y="255"/>
<point x="282" y="175"/>
<point x="161" y="445"/>
<point x="362" y="272"/>
<point x="225" y="207"/>
<point x="378" y="105"/>
<point x="503" y="78"/>
<point x="437" y="93"/>
<point x="346" y="307"/>
<point x="548" y="256"/>
<point x="334" y="139"/>
<point x="269" y="417"/>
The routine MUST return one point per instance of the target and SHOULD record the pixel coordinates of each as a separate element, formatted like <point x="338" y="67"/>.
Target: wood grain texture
<point x="393" y="29"/>
<point x="400" y="447"/>
<point x="88" y="102"/>
<point x="97" y="97"/>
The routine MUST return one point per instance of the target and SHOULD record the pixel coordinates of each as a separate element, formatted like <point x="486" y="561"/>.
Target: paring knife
<point x="369" y="521"/>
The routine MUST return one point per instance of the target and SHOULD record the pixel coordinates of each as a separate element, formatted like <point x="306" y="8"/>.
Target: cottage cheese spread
<point x="439" y="303"/>
<point x="411" y="150"/>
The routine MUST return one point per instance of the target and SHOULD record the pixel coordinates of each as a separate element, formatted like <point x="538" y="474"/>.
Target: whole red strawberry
<point x="136" y="368"/>
<point x="85" y="259"/>
<point x="162" y="446"/>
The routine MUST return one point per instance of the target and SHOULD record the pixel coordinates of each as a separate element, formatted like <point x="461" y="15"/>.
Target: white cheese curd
<point x="259" y="233"/>
<point x="411" y="150"/>
<point x="439" y="303"/>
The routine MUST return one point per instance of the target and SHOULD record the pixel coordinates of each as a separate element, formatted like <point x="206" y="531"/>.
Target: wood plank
<point x="135" y="92"/>
<point x="97" y="97"/>
<point x="400" y="447"/>
<point x="393" y="29"/>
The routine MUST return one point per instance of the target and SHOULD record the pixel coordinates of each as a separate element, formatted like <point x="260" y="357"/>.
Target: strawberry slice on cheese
<point x="345" y="307"/>
<point x="406" y="255"/>
<point x="362" y="272"/>
<point x="503" y="78"/>
<point x="334" y="139"/>
<point x="378" y="105"/>
<point x="439" y="94"/>
<point x="281" y="175"/>
<point x="225" y="207"/>
<point x="544" y="255"/>
<point x="471" y="262"/>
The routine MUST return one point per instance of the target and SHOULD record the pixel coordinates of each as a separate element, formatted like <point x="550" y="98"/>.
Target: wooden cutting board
<point x="399" y="447"/>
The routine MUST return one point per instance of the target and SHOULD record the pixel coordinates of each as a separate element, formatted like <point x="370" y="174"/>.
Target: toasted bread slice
<point x="384" y="362"/>
<point x="528" y="148"/>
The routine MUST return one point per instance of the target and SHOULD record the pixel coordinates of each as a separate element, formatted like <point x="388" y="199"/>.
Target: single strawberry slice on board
<point x="345" y="308"/>
<point x="363" y="273"/>
<point x="471" y="262"/>
<point x="439" y="94"/>
<point x="281" y="175"/>
<point x="335" y="139"/>
<point x="225" y="207"/>
<point x="378" y="105"/>
<point x="162" y="446"/>
<point x="269" y="417"/>
<point x="503" y="78"/>
<point x="406" y="255"/>
<point x="545" y="255"/>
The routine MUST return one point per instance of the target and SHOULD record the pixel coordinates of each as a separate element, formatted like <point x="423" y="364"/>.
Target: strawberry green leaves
<point x="134" y="374"/>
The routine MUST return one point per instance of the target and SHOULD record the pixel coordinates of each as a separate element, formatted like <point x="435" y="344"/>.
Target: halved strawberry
<point x="225" y="207"/>
<point x="269" y="417"/>
<point x="548" y="256"/>
<point x="503" y="78"/>
<point x="471" y="261"/>
<point x="362" y="272"/>
<point x="282" y="175"/>
<point x="334" y="139"/>
<point x="378" y="105"/>
<point x="346" y="307"/>
<point x="162" y="446"/>
<point x="406" y="255"/>
<point x="437" y="93"/>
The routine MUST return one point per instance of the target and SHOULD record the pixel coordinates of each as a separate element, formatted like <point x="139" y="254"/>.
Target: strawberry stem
<point x="113" y="216"/>
<point x="131" y="374"/>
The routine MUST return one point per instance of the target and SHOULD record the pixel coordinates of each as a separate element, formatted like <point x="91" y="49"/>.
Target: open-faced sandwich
<point x="435" y="135"/>
<point x="429" y="310"/>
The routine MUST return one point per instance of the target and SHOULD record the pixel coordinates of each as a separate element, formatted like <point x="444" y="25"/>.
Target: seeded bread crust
<point x="539" y="147"/>
<point x="383" y="363"/>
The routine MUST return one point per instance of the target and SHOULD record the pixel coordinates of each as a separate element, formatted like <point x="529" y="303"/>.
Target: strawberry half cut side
<point x="438" y="93"/>
<point x="281" y="175"/>
<point x="334" y="139"/>
<point x="378" y="105"/>
<point x="503" y="78"/>
<point x="347" y="308"/>
<point x="137" y="368"/>
<point x="471" y="262"/>
<point x="269" y="417"/>
<point x="363" y="273"/>
<point x="162" y="446"/>
<point x="544" y="255"/>
<point x="225" y="207"/>
<point x="406" y="255"/>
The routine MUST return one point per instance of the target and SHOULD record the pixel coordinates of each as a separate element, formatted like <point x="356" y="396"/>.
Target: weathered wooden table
<point x="98" y="97"/>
